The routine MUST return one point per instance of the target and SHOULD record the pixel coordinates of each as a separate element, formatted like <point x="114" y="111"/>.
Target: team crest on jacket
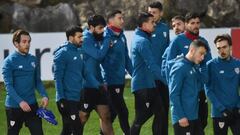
<point x="186" y="46"/>
<point x="221" y="124"/>
<point x="165" y="34"/>
<point x="111" y="43"/>
<point x="188" y="133"/>
<point x="81" y="56"/>
<point x="221" y="71"/>
<point x="236" y="70"/>
<point x="191" y="72"/>
<point x="33" y="64"/>
<point x="20" y="66"/>
<point x="12" y="123"/>
<point x="123" y="40"/>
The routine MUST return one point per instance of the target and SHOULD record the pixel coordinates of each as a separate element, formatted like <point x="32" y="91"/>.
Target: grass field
<point x="92" y="126"/>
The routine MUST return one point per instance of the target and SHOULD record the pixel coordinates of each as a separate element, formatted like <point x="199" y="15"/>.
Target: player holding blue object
<point x="223" y="88"/>
<point x="21" y="75"/>
<point x="185" y="80"/>
<point x="47" y="115"/>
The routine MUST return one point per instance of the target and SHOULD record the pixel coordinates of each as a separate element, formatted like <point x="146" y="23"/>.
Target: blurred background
<point x="56" y="15"/>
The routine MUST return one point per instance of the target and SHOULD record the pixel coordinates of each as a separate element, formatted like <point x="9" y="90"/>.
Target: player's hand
<point x="44" y="102"/>
<point x="183" y="122"/>
<point x="24" y="106"/>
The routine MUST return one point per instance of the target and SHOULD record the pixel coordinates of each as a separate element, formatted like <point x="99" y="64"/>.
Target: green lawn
<point x="92" y="126"/>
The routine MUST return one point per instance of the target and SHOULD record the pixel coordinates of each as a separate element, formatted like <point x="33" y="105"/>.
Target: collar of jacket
<point x="191" y="36"/>
<point x="145" y="34"/>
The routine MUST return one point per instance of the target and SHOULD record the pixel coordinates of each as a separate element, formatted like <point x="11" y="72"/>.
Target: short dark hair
<point x="143" y="17"/>
<point x="222" y="37"/>
<point x="96" y="20"/>
<point x="72" y="30"/>
<point x="17" y="35"/>
<point x="191" y="15"/>
<point x="156" y="4"/>
<point x="178" y="17"/>
<point x="113" y="13"/>
<point x="199" y="43"/>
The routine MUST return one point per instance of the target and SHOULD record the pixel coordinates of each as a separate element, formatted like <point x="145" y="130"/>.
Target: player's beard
<point x="195" y="31"/>
<point x="98" y="36"/>
<point x="224" y="56"/>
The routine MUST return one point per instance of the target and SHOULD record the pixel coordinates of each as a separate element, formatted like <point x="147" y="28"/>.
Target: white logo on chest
<point x="221" y="71"/>
<point x="236" y="70"/>
<point x="186" y="46"/>
<point x="81" y="56"/>
<point x="165" y="34"/>
<point x="191" y="72"/>
<point x="20" y="66"/>
<point x="75" y="58"/>
<point x="33" y="64"/>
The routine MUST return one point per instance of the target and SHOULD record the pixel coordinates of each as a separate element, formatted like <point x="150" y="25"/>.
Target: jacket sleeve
<point x="146" y="53"/>
<point x="164" y="65"/>
<point x="173" y="50"/>
<point x="128" y="62"/>
<point x="7" y="72"/>
<point x="209" y="90"/>
<point x="91" y="50"/>
<point x="175" y="86"/>
<point x="39" y="85"/>
<point x="59" y="67"/>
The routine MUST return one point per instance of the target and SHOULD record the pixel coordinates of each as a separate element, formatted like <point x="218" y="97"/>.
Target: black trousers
<point x="118" y="107"/>
<point x="70" y="118"/>
<point x="164" y="95"/>
<point x="147" y="103"/>
<point x="220" y="126"/>
<point x="203" y="109"/>
<point x="16" y="117"/>
<point x="194" y="128"/>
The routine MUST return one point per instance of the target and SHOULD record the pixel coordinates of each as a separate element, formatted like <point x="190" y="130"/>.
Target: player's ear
<point x="16" y="44"/>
